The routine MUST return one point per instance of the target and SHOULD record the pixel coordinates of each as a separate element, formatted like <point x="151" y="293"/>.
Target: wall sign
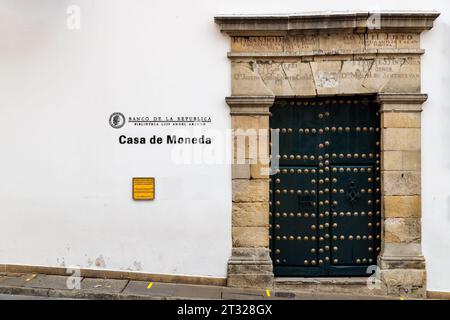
<point x="144" y="188"/>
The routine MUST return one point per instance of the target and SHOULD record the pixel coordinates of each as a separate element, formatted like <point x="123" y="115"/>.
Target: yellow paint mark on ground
<point x="268" y="292"/>
<point x="401" y="298"/>
<point x="150" y="285"/>
<point x="31" y="277"/>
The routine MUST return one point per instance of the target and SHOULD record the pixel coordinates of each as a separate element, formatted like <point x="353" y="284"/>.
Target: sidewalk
<point x="93" y="288"/>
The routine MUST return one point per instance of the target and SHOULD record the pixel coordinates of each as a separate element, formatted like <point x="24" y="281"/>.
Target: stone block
<point x="255" y="190"/>
<point x="411" y="160"/>
<point x="403" y="230"/>
<point x="391" y="160"/>
<point x="301" y="43"/>
<point x="401" y="183"/>
<point x="103" y="285"/>
<point x="342" y="42"/>
<point x="257" y="44"/>
<point x="275" y="78"/>
<point x="246" y="81"/>
<point x="401" y="120"/>
<point x="401" y="139"/>
<point x="240" y="171"/>
<point x="402" y="206"/>
<point x="250" y="237"/>
<point x="300" y="78"/>
<point x="252" y="214"/>
<point x="403" y="277"/>
<point x="260" y="170"/>
<point x="393" y="74"/>
<point x="326" y="76"/>
<point x="246" y="280"/>
<point x="352" y="75"/>
<point x="397" y="40"/>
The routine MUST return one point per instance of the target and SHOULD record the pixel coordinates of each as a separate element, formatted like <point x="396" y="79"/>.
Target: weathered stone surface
<point x="249" y="268"/>
<point x="250" y="237"/>
<point x="103" y="285"/>
<point x="255" y="190"/>
<point x="260" y="170"/>
<point x="342" y="42"/>
<point x="404" y="139"/>
<point x="274" y="77"/>
<point x="326" y="76"/>
<point x="250" y="253"/>
<point x="401" y="183"/>
<point x="401" y="160"/>
<point x="257" y="44"/>
<point x="254" y="214"/>
<point x="263" y="281"/>
<point x="245" y="80"/>
<point x="300" y="78"/>
<point x="406" y="79"/>
<point x="402" y="206"/>
<point x="352" y="75"/>
<point x="383" y="40"/>
<point x="401" y="120"/>
<point x="404" y="277"/>
<point x="402" y="230"/>
<point x="250" y="139"/>
<point x="411" y="160"/>
<point x="240" y="171"/>
<point x="326" y="42"/>
<point x="393" y="74"/>
<point x="392" y="160"/>
<point x="49" y="281"/>
<point x="302" y="43"/>
<point x="250" y="122"/>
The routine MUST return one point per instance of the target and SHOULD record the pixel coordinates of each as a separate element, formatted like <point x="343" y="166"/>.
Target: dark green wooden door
<point x="325" y="196"/>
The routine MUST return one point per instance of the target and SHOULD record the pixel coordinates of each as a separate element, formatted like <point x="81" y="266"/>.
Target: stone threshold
<point x="333" y="280"/>
<point x="332" y="285"/>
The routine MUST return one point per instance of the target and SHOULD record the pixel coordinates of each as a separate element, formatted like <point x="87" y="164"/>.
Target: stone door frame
<point x="330" y="55"/>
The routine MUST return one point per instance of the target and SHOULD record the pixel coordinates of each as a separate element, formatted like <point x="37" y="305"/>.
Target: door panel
<point x="325" y="210"/>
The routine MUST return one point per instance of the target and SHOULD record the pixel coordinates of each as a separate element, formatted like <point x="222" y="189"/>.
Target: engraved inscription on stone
<point x="247" y="44"/>
<point x="392" y="40"/>
<point x="301" y="43"/>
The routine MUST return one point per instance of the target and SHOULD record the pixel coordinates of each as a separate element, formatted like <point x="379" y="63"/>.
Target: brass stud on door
<point x="335" y="248"/>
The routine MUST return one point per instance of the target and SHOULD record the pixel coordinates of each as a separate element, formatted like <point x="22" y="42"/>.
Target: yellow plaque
<point x="143" y="188"/>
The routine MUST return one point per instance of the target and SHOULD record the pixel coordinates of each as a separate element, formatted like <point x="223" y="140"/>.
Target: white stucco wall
<point x="64" y="179"/>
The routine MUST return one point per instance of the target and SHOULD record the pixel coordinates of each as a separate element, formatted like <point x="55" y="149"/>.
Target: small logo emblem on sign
<point x="117" y="120"/>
